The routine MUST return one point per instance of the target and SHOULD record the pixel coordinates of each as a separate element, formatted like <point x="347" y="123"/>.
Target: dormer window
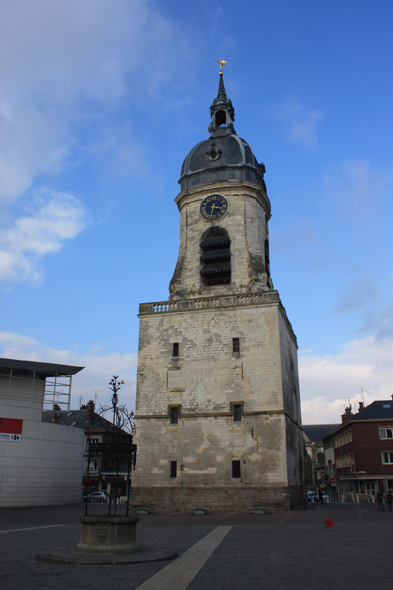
<point x="216" y="257"/>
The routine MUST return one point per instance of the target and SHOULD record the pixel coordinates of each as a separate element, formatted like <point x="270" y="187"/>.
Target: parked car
<point x="102" y="497"/>
<point x="314" y="496"/>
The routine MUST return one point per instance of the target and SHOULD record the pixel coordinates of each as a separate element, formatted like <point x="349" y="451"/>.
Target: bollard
<point x="329" y="523"/>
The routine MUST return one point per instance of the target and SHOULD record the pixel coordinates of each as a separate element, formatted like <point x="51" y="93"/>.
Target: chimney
<point x="347" y="414"/>
<point x="361" y="406"/>
<point x="90" y="411"/>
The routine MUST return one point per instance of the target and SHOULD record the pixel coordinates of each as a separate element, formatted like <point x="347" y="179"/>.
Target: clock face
<point x="214" y="207"/>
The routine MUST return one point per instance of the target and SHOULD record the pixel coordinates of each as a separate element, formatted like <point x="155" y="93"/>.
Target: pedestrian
<point x="320" y="496"/>
<point x="389" y="498"/>
<point x="380" y="500"/>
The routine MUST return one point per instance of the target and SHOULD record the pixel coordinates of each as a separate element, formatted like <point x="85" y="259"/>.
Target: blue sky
<point x="101" y="100"/>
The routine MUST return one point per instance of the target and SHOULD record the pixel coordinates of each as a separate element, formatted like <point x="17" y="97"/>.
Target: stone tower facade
<point x="218" y="404"/>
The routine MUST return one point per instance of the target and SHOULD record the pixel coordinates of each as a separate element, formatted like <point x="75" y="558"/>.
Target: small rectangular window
<point x="173" y="468"/>
<point x="174" y="414"/>
<point x="237" y="412"/>
<point x="387" y="458"/>
<point x="175" y="349"/>
<point x="386" y="433"/>
<point x="236" y="469"/>
<point x="235" y="344"/>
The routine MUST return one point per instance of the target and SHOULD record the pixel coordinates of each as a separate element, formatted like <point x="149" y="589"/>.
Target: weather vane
<point x="222" y="63"/>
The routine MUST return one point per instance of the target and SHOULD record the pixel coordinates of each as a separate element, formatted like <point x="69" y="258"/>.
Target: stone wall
<point x="215" y="499"/>
<point x="246" y="225"/>
<point x="205" y="381"/>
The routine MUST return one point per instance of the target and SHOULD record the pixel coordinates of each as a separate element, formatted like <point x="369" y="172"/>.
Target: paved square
<point x="291" y="550"/>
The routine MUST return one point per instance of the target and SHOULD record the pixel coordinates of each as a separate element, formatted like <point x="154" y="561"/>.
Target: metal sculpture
<point x="117" y="456"/>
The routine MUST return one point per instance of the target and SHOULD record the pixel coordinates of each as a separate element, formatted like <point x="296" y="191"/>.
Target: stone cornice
<point x="219" y="302"/>
<point x="194" y="415"/>
<point x="241" y="186"/>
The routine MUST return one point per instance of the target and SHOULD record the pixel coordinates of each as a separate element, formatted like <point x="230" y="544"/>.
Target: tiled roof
<point x="379" y="410"/>
<point x="375" y="411"/>
<point x="316" y="432"/>
<point x="77" y="418"/>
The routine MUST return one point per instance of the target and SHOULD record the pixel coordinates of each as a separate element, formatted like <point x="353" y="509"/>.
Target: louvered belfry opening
<point x="216" y="257"/>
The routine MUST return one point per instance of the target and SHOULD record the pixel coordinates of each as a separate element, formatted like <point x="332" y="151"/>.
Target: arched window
<point x="220" y="119"/>
<point x="216" y="257"/>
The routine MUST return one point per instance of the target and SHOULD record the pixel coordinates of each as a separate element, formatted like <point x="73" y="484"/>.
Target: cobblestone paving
<point x="261" y="552"/>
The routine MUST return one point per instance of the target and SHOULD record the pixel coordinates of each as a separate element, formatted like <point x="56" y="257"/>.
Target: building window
<point x="267" y="261"/>
<point x="173" y="469"/>
<point x="386" y="433"/>
<point x="236" y="469"/>
<point x="387" y="458"/>
<point x="215" y="257"/>
<point x="174" y="412"/>
<point x="175" y="349"/>
<point x="237" y="412"/>
<point x="93" y="441"/>
<point x="92" y="468"/>
<point x="235" y="344"/>
<point x="221" y="119"/>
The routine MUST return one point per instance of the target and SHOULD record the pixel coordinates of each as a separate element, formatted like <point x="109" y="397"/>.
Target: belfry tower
<point x="218" y="404"/>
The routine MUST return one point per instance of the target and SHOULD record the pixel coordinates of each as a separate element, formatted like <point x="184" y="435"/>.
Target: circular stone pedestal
<point x="108" y="534"/>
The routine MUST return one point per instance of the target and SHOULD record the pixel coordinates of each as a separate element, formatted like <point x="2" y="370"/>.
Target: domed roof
<point x="224" y="156"/>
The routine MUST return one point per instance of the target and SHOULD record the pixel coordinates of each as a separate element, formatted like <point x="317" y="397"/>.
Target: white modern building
<point x="40" y="463"/>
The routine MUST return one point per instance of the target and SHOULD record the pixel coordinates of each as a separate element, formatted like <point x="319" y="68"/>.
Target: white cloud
<point x="56" y="217"/>
<point x="326" y="382"/>
<point x="299" y="121"/>
<point x="95" y="377"/>
<point x="31" y="143"/>
<point x="68" y="62"/>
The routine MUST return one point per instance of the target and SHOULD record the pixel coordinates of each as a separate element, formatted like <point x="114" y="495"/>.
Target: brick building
<point x="359" y="452"/>
<point x="218" y="420"/>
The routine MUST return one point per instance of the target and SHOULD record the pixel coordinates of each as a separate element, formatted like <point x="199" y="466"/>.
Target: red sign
<point x="333" y="481"/>
<point x="11" y="429"/>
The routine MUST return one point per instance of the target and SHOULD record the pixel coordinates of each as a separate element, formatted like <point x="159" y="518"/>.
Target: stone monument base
<point x="108" y="534"/>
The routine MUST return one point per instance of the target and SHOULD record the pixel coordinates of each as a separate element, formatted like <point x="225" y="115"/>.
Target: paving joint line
<point x="34" y="528"/>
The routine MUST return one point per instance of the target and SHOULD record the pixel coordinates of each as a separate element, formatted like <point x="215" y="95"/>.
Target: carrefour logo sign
<point x="11" y="430"/>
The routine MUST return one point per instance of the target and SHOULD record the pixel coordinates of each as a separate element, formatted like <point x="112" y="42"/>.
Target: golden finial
<point x="222" y="63"/>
